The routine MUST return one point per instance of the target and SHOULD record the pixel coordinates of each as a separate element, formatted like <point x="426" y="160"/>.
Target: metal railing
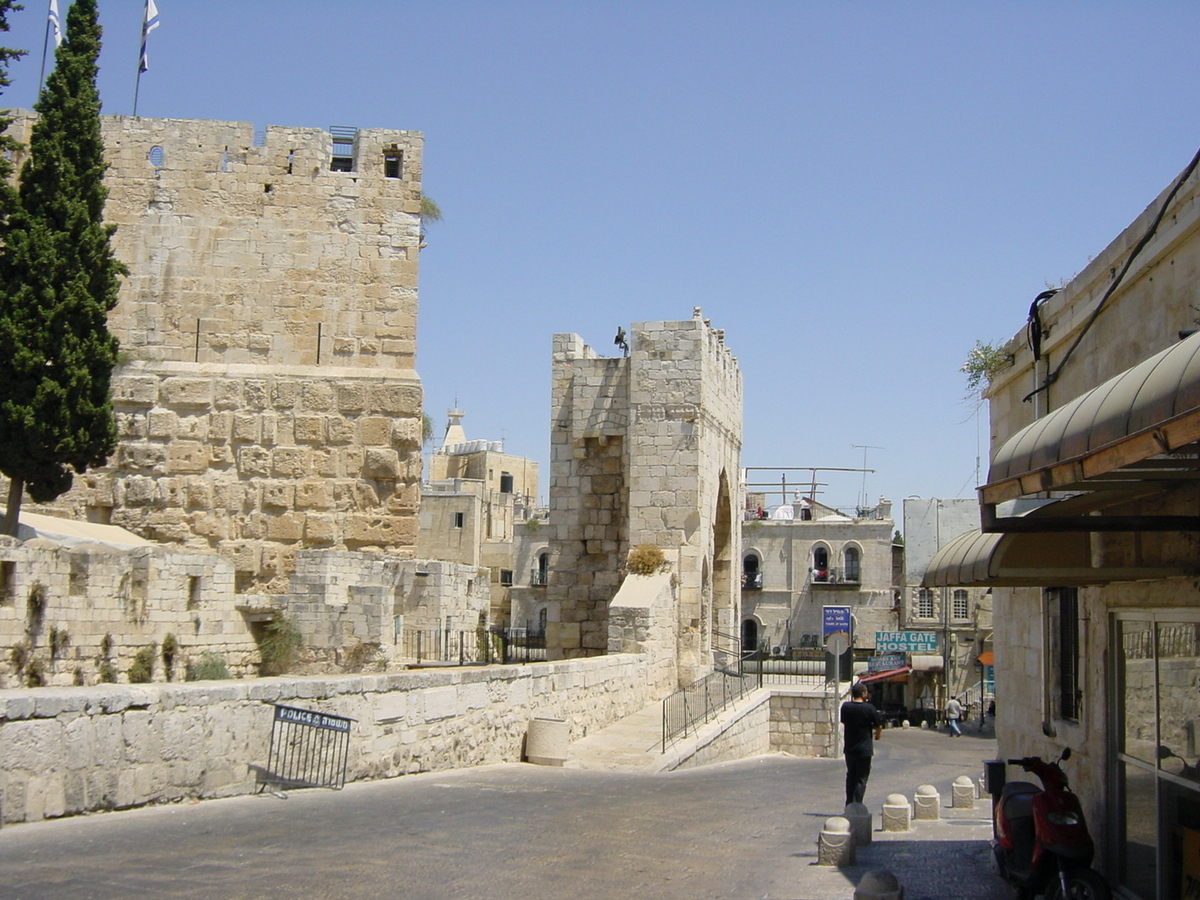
<point x="308" y="749"/>
<point x="475" y="647"/>
<point x="701" y="701"/>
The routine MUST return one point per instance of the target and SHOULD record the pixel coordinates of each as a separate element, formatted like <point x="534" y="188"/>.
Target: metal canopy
<point x="1134" y="435"/>
<point x="1028" y="560"/>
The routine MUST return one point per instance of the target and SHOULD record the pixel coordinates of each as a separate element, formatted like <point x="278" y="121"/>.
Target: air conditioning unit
<point x="777" y="650"/>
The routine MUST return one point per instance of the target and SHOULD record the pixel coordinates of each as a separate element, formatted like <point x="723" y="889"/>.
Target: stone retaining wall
<point x="769" y="720"/>
<point x="72" y="750"/>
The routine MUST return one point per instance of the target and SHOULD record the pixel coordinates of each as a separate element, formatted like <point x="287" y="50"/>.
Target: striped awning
<point x="1063" y="559"/>
<point x="1137" y="430"/>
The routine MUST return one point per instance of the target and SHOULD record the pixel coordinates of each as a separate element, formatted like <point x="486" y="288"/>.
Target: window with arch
<point x="925" y="603"/>
<point x="542" y="573"/>
<point x="542" y="617"/>
<point x="820" y="560"/>
<point x="960" y="606"/>
<point x="851" y="564"/>
<point x="751" y="572"/>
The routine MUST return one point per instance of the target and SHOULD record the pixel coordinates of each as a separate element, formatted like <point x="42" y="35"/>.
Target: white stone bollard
<point x="879" y="884"/>
<point x="906" y="724"/>
<point x="859" y="818"/>
<point x="546" y="742"/>
<point x="897" y="814"/>
<point x="835" y="847"/>
<point x="927" y="803"/>
<point x="964" y="793"/>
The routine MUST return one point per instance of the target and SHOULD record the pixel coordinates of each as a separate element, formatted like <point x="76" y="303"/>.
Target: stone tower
<point x="646" y="448"/>
<point x="267" y="397"/>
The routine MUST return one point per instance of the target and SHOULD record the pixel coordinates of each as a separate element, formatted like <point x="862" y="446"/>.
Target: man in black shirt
<point x="861" y="721"/>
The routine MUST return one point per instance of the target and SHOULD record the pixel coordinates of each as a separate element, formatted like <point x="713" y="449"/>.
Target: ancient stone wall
<point x="69" y="615"/>
<point x="73" y="750"/>
<point x="645" y="449"/>
<point x="267" y="398"/>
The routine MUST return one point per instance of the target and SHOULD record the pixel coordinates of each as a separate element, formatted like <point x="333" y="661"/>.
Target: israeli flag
<point x="149" y="23"/>
<point x="55" y="23"/>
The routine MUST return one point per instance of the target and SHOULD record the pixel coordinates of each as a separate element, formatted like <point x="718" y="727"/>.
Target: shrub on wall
<point x="141" y="670"/>
<point x="646" y="559"/>
<point x="279" y="646"/>
<point x="209" y="667"/>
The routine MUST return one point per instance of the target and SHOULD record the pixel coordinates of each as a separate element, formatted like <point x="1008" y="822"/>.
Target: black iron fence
<point x="308" y="749"/>
<point x="700" y="702"/>
<point x="703" y="700"/>
<point x="477" y="647"/>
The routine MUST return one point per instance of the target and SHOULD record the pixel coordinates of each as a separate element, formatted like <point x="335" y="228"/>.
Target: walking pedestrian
<point x="861" y="721"/>
<point x="953" y="714"/>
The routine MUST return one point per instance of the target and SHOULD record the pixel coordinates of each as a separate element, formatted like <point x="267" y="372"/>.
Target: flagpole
<point x="45" y="44"/>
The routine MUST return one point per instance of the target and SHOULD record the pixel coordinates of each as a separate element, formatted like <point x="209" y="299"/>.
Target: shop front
<point x="1156" y="781"/>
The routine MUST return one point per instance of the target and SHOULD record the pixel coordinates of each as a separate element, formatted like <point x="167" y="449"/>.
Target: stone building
<point x="645" y="448"/>
<point x="267" y="398"/>
<point x="1090" y="540"/>
<point x="800" y="556"/>
<point x="475" y="498"/>
<point x="960" y="616"/>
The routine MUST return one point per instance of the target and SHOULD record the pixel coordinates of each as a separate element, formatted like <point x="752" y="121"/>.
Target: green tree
<point x="58" y="281"/>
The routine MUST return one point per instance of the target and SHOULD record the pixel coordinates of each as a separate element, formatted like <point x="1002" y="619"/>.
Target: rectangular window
<point x="961" y="608"/>
<point x="460" y="520"/>
<point x="342" y="158"/>
<point x="393" y="162"/>
<point x="506" y="578"/>
<point x="925" y="604"/>
<point x="1062" y="646"/>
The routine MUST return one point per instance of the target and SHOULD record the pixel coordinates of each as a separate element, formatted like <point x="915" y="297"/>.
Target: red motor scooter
<point x="1041" y="842"/>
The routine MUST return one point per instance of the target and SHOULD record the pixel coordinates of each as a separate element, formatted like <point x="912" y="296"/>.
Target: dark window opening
<point x="506" y="483"/>
<point x="8" y="572"/>
<point x="542" y="572"/>
<point x="1062" y="620"/>
<point x="853" y="569"/>
<point x="393" y="162"/>
<point x="193" y="589"/>
<point x="820" y="570"/>
<point x="460" y="520"/>
<point x="751" y="576"/>
<point x="506" y="578"/>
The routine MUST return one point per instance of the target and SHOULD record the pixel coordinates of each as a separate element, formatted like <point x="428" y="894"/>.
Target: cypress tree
<point x="58" y="281"/>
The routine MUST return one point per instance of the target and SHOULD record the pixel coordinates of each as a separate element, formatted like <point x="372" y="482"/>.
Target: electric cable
<point x="1141" y="245"/>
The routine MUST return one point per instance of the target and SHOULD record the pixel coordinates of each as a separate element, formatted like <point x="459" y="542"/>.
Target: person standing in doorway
<point x="862" y="725"/>
<point x="953" y="714"/>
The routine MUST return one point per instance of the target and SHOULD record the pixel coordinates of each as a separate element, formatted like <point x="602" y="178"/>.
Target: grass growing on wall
<point x="280" y="646"/>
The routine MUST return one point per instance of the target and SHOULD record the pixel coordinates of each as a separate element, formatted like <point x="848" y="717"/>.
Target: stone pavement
<point x="744" y="830"/>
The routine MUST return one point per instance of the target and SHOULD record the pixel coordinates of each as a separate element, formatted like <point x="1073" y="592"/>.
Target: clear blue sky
<point x="855" y="192"/>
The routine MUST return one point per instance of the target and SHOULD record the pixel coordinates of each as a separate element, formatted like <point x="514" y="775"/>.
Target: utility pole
<point x="862" y="503"/>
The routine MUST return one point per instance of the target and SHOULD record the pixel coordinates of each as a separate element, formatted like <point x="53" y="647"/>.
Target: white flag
<point x="54" y="23"/>
<point x="149" y="23"/>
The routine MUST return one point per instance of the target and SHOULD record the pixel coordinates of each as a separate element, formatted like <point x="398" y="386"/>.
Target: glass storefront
<point x="1157" y="736"/>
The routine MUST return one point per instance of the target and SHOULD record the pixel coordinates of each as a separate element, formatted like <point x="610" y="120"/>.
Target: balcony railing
<point x="836" y="575"/>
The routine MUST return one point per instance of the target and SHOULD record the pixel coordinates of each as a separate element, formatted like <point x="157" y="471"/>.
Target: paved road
<point x="734" y="831"/>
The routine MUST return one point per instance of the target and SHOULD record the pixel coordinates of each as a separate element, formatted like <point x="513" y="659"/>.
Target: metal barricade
<point x="308" y="749"/>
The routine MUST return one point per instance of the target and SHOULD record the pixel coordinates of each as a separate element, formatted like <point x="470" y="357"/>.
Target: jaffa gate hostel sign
<point x="906" y="642"/>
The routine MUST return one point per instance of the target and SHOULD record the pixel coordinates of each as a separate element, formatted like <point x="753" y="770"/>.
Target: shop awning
<point x="1135" y="434"/>
<point x="1029" y="560"/>
<point x="889" y="675"/>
